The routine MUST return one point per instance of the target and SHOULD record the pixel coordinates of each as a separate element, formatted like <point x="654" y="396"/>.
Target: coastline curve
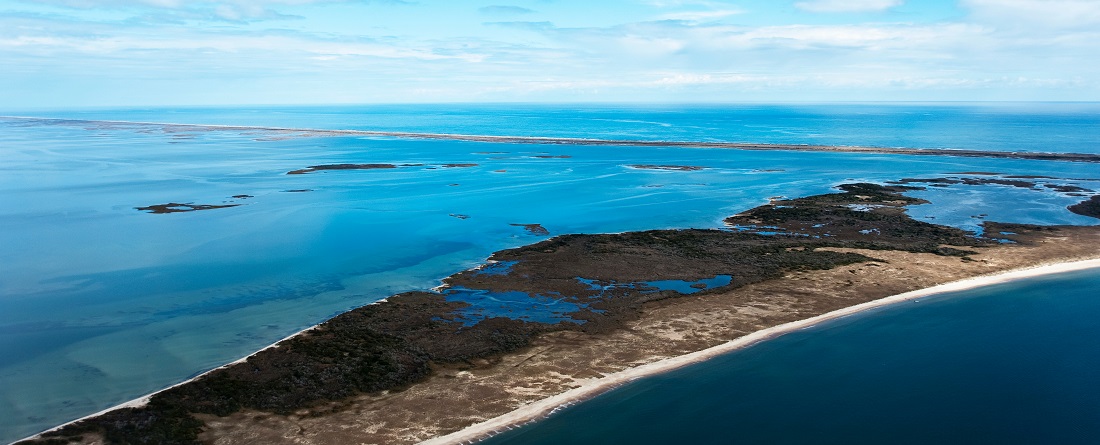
<point x="546" y="407"/>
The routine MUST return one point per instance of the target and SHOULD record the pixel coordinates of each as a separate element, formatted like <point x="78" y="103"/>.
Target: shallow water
<point x="1011" y="363"/>
<point x="101" y="302"/>
<point x="1032" y="126"/>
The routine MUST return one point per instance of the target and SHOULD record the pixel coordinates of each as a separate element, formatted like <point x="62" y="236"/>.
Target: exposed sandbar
<point x="287" y="132"/>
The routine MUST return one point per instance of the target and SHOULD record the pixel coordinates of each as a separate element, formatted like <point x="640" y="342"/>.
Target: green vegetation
<point x="1088" y="207"/>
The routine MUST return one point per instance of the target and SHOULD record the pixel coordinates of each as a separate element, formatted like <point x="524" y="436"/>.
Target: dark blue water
<point x="1016" y="363"/>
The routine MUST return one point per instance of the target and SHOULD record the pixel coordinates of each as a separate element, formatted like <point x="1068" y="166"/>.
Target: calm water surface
<point x="1053" y="127"/>
<point x="1007" y="364"/>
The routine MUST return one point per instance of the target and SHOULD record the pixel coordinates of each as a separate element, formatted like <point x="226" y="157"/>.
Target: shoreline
<point x="541" y="409"/>
<point x="143" y="400"/>
<point x="315" y="132"/>
<point x="816" y="285"/>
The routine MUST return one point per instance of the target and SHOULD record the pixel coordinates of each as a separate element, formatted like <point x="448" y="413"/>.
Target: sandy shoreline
<point x="144" y="400"/>
<point x="545" y="407"/>
<point x="1051" y="156"/>
<point x="542" y="408"/>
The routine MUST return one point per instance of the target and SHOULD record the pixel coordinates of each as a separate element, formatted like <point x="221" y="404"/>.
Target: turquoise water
<point x="101" y="303"/>
<point x="1012" y="363"/>
<point x="1054" y="127"/>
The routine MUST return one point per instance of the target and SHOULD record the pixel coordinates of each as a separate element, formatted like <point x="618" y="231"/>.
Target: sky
<point x="104" y="53"/>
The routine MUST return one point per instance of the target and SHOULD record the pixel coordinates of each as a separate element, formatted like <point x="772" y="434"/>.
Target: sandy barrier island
<point x="409" y="369"/>
<point x="289" y="132"/>
<point x="546" y="407"/>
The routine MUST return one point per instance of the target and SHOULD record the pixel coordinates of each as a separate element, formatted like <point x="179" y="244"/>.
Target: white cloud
<point x="323" y="50"/>
<point x="164" y="46"/>
<point x="682" y="3"/>
<point x="686" y="49"/>
<point x="848" y="5"/>
<point x="174" y="4"/>
<point x="505" y="10"/>
<point x="1047" y="13"/>
<point x="698" y="16"/>
<point x="784" y="44"/>
<point x="216" y="10"/>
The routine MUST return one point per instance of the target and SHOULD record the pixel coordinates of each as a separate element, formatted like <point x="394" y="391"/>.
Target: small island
<point x="176" y="207"/>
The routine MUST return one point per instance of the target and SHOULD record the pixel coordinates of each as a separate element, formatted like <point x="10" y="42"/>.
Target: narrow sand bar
<point x="288" y="132"/>
<point x="542" y="408"/>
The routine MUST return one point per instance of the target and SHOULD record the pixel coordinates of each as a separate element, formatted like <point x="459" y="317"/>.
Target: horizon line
<point x="548" y="103"/>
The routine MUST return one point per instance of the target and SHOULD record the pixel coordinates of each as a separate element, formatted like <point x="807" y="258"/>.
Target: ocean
<point x="1012" y="363"/>
<point x="101" y="302"/>
<point x="1025" y="126"/>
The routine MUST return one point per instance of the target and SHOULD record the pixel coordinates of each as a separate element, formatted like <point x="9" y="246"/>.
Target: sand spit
<point x="543" y="408"/>
<point x="288" y="132"/>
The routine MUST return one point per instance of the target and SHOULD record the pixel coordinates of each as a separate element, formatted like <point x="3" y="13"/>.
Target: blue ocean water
<point x="1013" y="363"/>
<point x="1029" y="126"/>
<point x="101" y="302"/>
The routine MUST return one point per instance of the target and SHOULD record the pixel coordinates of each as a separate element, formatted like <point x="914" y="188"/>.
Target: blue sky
<point x="81" y="53"/>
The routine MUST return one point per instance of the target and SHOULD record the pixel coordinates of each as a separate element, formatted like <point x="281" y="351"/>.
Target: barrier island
<point x="540" y="320"/>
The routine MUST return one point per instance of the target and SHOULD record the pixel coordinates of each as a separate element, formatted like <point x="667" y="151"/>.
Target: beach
<point x="546" y="407"/>
<point x="532" y="410"/>
<point x="471" y="401"/>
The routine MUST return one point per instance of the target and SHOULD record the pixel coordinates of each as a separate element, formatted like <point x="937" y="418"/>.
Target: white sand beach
<point x="545" y="407"/>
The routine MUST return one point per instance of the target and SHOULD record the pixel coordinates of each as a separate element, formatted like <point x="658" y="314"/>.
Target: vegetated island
<point x="533" y="229"/>
<point x="176" y="207"/>
<point x="316" y="168"/>
<point x="685" y="168"/>
<point x="421" y="364"/>
<point x="332" y="167"/>
<point x="286" y="132"/>
<point x="1090" y="207"/>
